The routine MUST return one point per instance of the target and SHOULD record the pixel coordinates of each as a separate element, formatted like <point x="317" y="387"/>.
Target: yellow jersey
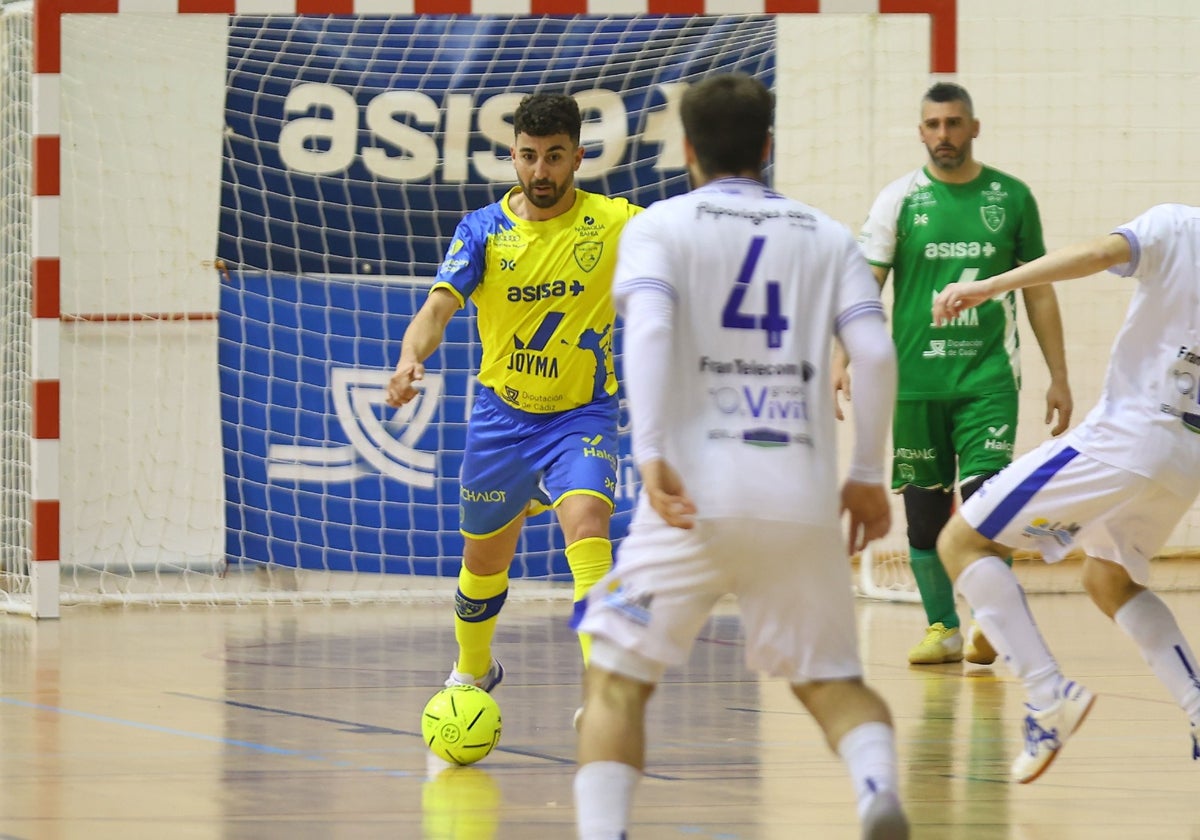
<point x="543" y="292"/>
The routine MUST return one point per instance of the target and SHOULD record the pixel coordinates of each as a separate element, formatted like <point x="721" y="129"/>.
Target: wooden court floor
<point x="302" y="722"/>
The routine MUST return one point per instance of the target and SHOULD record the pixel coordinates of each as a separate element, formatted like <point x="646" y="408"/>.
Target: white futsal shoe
<point x="1046" y="730"/>
<point x="884" y="818"/>
<point x="488" y="682"/>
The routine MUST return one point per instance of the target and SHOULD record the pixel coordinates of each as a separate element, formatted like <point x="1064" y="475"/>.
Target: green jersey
<point x="932" y="234"/>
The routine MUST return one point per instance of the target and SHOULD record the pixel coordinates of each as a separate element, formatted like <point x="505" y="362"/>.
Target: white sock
<point x="869" y="751"/>
<point x="991" y="589"/>
<point x="604" y="799"/>
<point x="1152" y="626"/>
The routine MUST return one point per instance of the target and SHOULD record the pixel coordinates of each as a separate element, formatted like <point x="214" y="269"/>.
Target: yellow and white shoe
<point x="978" y="650"/>
<point x="941" y="644"/>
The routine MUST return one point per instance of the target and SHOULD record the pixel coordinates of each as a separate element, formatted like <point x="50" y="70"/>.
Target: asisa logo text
<point x="953" y="250"/>
<point x="543" y="291"/>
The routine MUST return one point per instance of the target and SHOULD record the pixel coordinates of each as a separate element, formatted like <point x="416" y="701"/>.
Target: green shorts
<point x="937" y="441"/>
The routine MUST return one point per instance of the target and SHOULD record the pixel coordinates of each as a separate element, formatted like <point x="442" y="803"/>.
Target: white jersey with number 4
<point x="760" y="284"/>
<point x="1148" y="418"/>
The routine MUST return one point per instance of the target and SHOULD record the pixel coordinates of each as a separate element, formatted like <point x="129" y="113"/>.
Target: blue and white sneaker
<point x="1046" y="730"/>
<point x="488" y="682"/>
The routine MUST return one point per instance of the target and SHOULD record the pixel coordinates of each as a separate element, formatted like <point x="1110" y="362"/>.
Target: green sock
<point x="937" y="593"/>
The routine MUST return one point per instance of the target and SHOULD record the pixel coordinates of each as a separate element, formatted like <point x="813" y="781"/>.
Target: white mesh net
<point x="223" y="436"/>
<point x="274" y="206"/>
<point x="16" y="49"/>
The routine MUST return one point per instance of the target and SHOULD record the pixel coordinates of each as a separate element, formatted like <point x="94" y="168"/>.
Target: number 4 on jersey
<point x="772" y="321"/>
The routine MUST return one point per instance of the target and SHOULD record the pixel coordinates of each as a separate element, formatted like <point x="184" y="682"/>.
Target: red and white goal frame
<point x="47" y="179"/>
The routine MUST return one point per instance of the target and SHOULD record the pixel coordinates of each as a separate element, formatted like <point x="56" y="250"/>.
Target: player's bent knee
<point x="610" y="659"/>
<point x="959" y="545"/>
<point x="839" y="705"/>
<point x="813" y="693"/>
<point x="1108" y="585"/>
<point x="622" y="695"/>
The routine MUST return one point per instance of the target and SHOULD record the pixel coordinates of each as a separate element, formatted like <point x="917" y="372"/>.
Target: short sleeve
<point x="461" y="270"/>
<point x="858" y="291"/>
<point x="877" y="238"/>
<point x="1148" y="236"/>
<point x="643" y="260"/>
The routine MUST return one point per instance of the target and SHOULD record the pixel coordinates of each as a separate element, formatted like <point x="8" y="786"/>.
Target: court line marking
<point x="372" y="729"/>
<point x="254" y="746"/>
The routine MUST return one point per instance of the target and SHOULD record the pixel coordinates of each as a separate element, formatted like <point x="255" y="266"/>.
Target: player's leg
<point x="1039" y="498"/>
<point x="976" y="648"/>
<point x="579" y="457"/>
<point x="482" y="590"/>
<point x="927" y="512"/>
<point x="612" y="747"/>
<point x="1146" y="520"/>
<point x="497" y="482"/>
<point x="641" y="623"/>
<point x="796" y="602"/>
<point x="923" y="470"/>
<point x="585" y="520"/>
<point x="858" y="727"/>
<point x="985" y="433"/>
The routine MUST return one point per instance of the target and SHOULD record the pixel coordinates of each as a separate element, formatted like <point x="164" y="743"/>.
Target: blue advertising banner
<point x="353" y="147"/>
<point x="320" y="472"/>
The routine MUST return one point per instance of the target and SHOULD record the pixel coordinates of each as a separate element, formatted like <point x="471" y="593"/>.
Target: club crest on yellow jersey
<point x="587" y="254"/>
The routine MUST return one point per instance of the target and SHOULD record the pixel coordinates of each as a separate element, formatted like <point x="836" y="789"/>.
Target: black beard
<point x="543" y="202"/>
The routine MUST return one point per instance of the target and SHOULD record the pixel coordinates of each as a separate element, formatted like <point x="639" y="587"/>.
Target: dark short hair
<point x="949" y="92"/>
<point x="728" y="118"/>
<point x="546" y="114"/>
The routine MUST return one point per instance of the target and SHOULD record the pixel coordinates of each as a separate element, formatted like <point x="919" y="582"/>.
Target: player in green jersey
<point x="956" y="219"/>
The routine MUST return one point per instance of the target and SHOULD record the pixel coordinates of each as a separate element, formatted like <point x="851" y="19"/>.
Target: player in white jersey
<point x="731" y="296"/>
<point x="1114" y="487"/>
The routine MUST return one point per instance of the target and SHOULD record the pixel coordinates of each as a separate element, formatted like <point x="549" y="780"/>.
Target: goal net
<point x="244" y="238"/>
<point x="16" y="31"/>
<point x="246" y="210"/>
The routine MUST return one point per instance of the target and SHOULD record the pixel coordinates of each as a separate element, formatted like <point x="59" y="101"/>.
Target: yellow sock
<point x="590" y="559"/>
<point x="476" y="606"/>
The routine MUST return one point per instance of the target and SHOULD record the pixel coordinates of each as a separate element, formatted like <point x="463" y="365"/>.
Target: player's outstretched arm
<point x="421" y="338"/>
<point x="1079" y="260"/>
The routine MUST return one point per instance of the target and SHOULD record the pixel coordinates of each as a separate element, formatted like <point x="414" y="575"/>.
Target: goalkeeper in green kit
<point x="956" y="410"/>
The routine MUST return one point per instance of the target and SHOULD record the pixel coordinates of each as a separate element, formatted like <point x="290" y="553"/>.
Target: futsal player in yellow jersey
<point x="538" y="264"/>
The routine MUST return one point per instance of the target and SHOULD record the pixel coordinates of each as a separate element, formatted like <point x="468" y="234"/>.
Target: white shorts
<point x="1056" y="499"/>
<point x="793" y="588"/>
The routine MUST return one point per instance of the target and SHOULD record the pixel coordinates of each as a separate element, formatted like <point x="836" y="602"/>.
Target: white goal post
<point x="219" y="215"/>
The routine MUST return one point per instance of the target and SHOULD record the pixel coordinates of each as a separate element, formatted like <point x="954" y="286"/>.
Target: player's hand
<point x="959" y="297"/>
<point x="665" y="491"/>
<point x="870" y="513"/>
<point x="402" y="388"/>
<point x="1058" y="401"/>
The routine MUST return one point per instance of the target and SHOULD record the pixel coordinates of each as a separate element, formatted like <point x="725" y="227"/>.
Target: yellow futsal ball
<point x="461" y="724"/>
